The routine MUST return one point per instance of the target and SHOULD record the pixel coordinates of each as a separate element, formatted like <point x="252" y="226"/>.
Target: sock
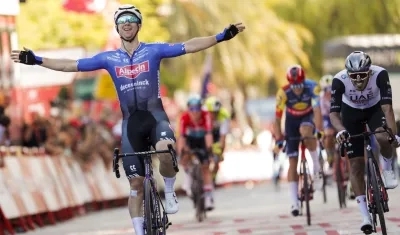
<point x="169" y="184"/>
<point x="138" y="225"/>
<point x="386" y="163"/>
<point x="187" y="182"/>
<point x="362" y="205"/>
<point x="293" y="191"/>
<point x="315" y="158"/>
<point x="208" y="188"/>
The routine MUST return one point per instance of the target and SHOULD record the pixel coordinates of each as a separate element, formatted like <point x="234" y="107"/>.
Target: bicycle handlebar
<point x="367" y="134"/>
<point x="117" y="156"/>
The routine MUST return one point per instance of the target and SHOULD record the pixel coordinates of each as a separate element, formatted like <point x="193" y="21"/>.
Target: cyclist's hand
<point x="396" y="142"/>
<point x="26" y="57"/>
<point x="216" y="148"/>
<point x="342" y="136"/>
<point x="319" y="134"/>
<point x="230" y="32"/>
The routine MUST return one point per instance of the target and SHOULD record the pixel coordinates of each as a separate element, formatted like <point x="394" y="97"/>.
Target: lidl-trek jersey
<point x="136" y="78"/>
<point x="297" y="106"/>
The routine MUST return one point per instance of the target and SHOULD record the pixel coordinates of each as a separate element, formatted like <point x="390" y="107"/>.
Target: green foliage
<point x="45" y="24"/>
<point x="329" y="19"/>
<point x="265" y="50"/>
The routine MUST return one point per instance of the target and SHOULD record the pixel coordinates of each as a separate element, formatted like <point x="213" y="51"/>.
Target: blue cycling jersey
<point x="136" y="78"/>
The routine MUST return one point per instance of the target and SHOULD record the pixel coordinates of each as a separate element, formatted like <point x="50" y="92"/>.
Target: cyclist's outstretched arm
<point x="202" y="43"/>
<point x="383" y="83"/>
<point x="63" y="65"/>
<point x="336" y="104"/>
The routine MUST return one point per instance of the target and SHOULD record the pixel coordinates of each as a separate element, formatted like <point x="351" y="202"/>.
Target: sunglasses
<point x="295" y="86"/>
<point x="359" y="76"/>
<point x="194" y="108"/>
<point x="128" y="19"/>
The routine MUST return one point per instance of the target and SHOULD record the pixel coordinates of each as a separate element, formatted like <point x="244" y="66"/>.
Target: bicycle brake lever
<point x="342" y="149"/>
<point x="173" y="155"/>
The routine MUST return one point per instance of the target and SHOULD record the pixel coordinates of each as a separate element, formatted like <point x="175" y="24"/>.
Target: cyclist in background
<point x="196" y="133"/>
<point x="329" y="130"/>
<point x="221" y="124"/>
<point x="301" y="99"/>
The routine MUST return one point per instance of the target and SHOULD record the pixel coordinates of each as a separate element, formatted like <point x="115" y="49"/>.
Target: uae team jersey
<point x="136" y="78"/>
<point x="377" y="91"/>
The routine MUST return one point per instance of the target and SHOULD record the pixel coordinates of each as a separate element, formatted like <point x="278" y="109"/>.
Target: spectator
<point x="35" y="134"/>
<point x="4" y="124"/>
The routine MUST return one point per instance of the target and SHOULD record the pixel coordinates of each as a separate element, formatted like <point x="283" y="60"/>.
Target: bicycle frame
<point x="306" y="189"/>
<point x="155" y="198"/>
<point x="376" y="192"/>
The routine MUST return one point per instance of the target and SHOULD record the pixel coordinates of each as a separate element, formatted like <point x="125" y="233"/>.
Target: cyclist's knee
<point x="385" y="147"/>
<point x="136" y="185"/>
<point x="306" y="130"/>
<point x="163" y="145"/>
<point x="205" y="167"/>
<point x="329" y="132"/>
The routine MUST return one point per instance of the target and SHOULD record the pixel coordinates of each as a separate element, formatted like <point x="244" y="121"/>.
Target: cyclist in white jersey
<point x="362" y="93"/>
<point x="135" y="71"/>
<point x="325" y="103"/>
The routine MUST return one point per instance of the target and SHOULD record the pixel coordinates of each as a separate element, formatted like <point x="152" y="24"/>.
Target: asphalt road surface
<point x="245" y="209"/>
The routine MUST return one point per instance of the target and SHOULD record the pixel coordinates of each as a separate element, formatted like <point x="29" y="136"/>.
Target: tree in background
<point x="263" y="53"/>
<point x="45" y="24"/>
<point x="329" y="19"/>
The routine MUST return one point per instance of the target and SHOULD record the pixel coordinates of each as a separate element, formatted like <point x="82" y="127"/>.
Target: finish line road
<point x="246" y="209"/>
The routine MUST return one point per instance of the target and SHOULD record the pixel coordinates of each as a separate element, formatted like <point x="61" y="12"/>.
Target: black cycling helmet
<point x="358" y="62"/>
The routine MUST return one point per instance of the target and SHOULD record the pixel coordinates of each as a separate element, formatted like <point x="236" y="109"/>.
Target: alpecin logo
<point x="132" y="71"/>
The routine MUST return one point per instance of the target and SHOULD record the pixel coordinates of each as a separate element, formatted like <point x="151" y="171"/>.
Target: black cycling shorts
<point x="139" y="132"/>
<point x="354" y="119"/>
<point x="198" y="143"/>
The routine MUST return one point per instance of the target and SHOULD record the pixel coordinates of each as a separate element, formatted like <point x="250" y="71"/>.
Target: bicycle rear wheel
<point x="148" y="213"/>
<point x="307" y="192"/>
<point x="197" y="190"/>
<point x="152" y="215"/>
<point x="377" y="196"/>
<point x="340" y="182"/>
<point x="323" y="179"/>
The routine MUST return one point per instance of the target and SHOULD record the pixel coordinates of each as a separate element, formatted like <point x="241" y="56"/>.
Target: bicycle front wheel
<point x="152" y="215"/>
<point x="307" y="192"/>
<point x="378" y="200"/>
<point x="340" y="182"/>
<point x="198" y="193"/>
<point x="323" y="179"/>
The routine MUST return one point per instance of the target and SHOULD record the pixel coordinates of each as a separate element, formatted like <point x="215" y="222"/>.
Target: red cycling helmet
<point x="295" y="75"/>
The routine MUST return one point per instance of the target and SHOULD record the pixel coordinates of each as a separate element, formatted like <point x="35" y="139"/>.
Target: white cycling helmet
<point x="326" y="81"/>
<point x="127" y="8"/>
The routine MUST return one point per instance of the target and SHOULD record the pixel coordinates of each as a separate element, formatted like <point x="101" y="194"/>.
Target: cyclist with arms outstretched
<point x="362" y="93"/>
<point x="135" y="71"/>
<point x="301" y="99"/>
